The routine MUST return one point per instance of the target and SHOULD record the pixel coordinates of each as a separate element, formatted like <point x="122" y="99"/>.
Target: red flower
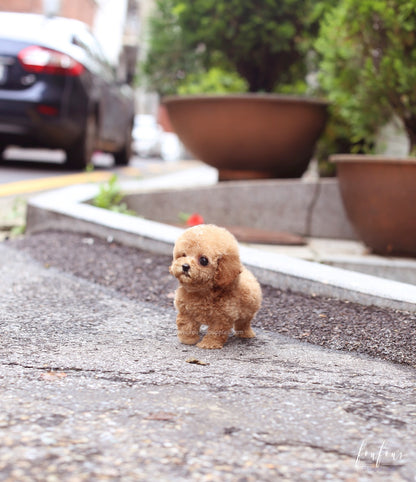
<point x="195" y="219"/>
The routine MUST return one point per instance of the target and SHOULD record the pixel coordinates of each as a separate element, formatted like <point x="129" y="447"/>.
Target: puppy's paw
<point x="210" y="343"/>
<point x="245" y="333"/>
<point x="188" y="339"/>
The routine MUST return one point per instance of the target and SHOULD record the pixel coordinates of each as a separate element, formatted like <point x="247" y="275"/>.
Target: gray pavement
<point x="96" y="387"/>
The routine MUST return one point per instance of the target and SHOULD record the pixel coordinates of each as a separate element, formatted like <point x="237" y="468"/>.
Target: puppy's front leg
<point x="216" y="336"/>
<point x="188" y="330"/>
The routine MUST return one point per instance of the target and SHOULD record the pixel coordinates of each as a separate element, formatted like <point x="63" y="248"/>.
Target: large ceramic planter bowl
<point x="249" y="135"/>
<point x="379" y="195"/>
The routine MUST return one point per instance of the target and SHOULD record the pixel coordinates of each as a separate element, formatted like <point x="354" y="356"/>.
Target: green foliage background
<point x="368" y="67"/>
<point x="267" y="43"/>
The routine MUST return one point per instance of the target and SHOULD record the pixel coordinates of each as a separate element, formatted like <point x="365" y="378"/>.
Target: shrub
<point x="168" y="60"/>
<point x="368" y="66"/>
<point x="215" y="80"/>
<point x="268" y="42"/>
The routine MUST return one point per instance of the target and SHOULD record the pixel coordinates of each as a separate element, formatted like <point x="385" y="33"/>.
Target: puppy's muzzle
<point x="186" y="268"/>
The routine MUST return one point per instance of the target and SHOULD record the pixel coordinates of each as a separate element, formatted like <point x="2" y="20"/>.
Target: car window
<point x="87" y="42"/>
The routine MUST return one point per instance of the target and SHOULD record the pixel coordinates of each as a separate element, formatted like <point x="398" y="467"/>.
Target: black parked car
<point x="58" y="91"/>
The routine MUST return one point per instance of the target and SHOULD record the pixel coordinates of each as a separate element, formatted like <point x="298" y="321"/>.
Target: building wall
<point x="80" y="9"/>
<point x="108" y="27"/>
<point x="83" y="10"/>
<point x="35" y="6"/>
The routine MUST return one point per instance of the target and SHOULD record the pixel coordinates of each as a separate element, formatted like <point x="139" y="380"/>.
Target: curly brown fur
<point x="215" y="289"/>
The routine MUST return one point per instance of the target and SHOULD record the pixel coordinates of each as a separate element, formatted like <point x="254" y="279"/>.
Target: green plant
<point x="18" y="214"/>
<point x="368" y="66"/>
<point x="168" y="59"/>
<point x="337" y="138"/>
<point x="216" y="80"/>
<point x="268" y="43"/>
<point x="110" y="197"/>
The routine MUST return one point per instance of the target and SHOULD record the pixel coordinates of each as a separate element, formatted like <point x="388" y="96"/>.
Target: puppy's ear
<point x="228" y="268"/>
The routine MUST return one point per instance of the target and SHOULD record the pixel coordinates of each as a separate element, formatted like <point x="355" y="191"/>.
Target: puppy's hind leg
<point x="242" y="328"/>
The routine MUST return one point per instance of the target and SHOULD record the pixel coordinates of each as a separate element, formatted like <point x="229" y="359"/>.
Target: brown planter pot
<point x="249" y="135"/>
<point x="163" y="118"/>
<point x="379" y="195"/>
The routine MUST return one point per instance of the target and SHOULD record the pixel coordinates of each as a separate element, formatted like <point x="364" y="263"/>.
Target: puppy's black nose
<point x="185" y="267"/>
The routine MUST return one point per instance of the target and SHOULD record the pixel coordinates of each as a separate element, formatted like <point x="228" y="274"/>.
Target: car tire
<point x="80" y="154"/>
<point x="122" y="157"/>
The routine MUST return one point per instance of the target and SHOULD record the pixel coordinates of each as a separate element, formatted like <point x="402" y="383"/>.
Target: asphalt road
<point x="96" y="386"/>
<point x="28" y="164"/>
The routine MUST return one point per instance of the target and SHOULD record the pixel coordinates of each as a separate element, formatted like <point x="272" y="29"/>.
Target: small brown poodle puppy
<point x="215" y="289"/>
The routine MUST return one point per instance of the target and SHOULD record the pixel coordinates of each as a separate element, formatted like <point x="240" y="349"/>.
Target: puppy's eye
<point x="203" y="261"/>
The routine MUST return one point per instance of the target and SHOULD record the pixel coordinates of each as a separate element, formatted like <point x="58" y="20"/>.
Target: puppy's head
<point x="206" y="257"/>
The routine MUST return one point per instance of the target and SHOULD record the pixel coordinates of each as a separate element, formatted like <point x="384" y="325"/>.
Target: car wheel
<point x="122" y="157"/>
<point x="80" y="154"/>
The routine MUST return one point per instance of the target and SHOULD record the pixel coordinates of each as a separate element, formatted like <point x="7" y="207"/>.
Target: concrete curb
<point x="66" y="209"/>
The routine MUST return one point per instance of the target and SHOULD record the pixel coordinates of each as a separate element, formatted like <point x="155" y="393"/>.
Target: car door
<point x="113" y="107"/>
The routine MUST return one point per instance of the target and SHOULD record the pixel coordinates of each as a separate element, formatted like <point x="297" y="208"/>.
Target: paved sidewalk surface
<point x="96" y="387"/>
